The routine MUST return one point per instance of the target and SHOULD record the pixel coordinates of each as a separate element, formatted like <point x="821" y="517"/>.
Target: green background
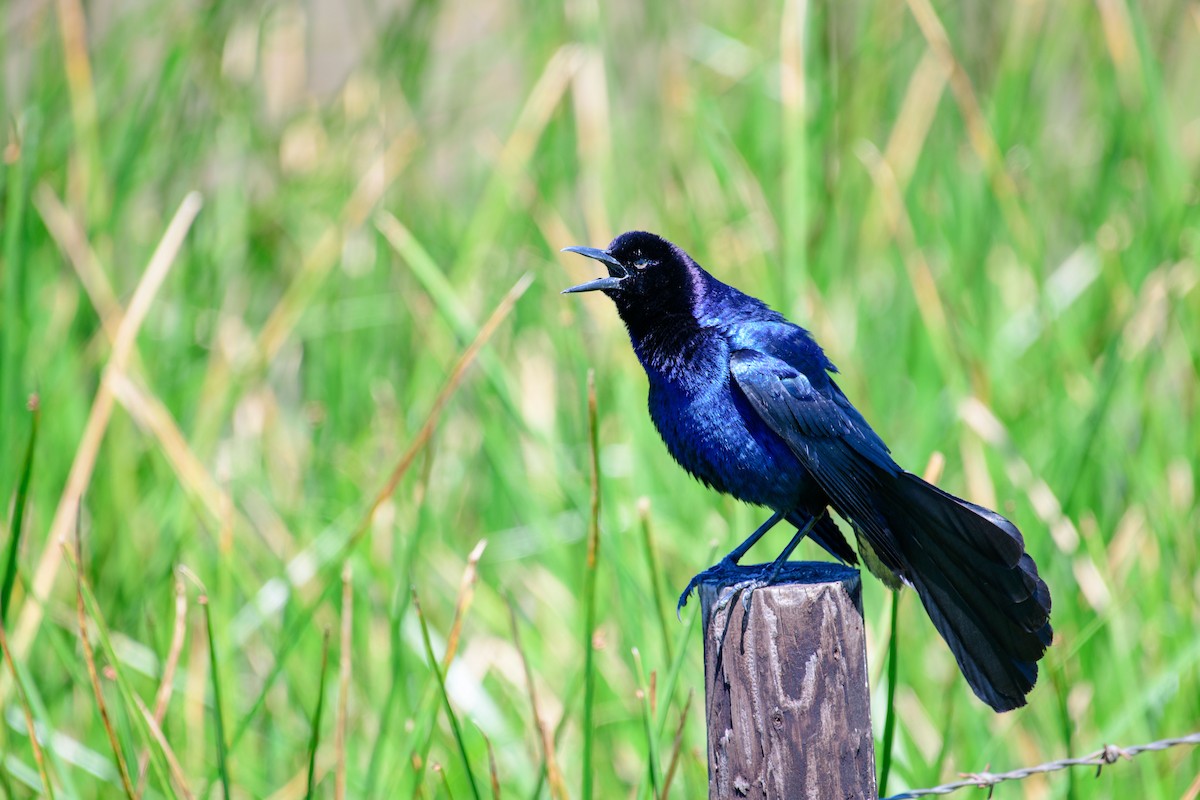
<point x="990" y="209"/>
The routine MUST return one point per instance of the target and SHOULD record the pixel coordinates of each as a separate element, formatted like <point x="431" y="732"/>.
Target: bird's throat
<point x="667" y="348"/>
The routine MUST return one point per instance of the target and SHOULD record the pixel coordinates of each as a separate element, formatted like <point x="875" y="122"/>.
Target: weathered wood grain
<point x="786" y="688"/>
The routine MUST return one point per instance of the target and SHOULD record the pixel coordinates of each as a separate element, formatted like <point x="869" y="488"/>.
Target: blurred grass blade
<point x="72" y="26"/>
<point x="90" y="659"/>
<point x="644" y="696"/>
<point x="947" y="749"/>
<point x="301" y="622"/>
<point x="387" y="713"/>
<point x="222" y="380"/>
<point x="38" y="756"/>
<point x="889" y="719"/>
<point x="18" y="518"/>
<point x="920" y="275"/>
<point x="1066" y="726"/>
<point x="71" y="237"/>
<point x="427" y="708"/>
<point x="589" y="592"/>
<point x="344" y="666"/>
<point x="676" y="667"/>
<point x="315" y="739"/>
<point x="383" y="171"/>
<point x="300" y="625"/>
<point x="462" y="603"/>
<point x="440" y="771"/>
<point x="499" y="197"/>
<point x="643" y="508"/>
<point x="570" y="697"/>
<point x="167" y="751"/>
<point x="685" y="633"/>
<point x="97" y="422"/>
<point x="20" y="156"/>
<point x="441" y="683"/>
<point x="593" y="115"/>
<point x="793" y="97"/>
<point x="218" y="714"/>
<point x="167" y="684"/>
<point x="91" y="608"/>
<point x="979" y="133"/>
<point x="193" y="476"/>
<point x="558" y="789"/>
<point x="493" y="770"/>
<point x="677" y="747"/>
<point x="431" y="277"/>
<point x="61" y="769"/>
<point x="910" y="132"/>
<point x="433" y="280"/>
<point x="448" y="388"/>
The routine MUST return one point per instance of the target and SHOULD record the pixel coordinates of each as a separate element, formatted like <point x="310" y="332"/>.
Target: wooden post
<point x="789" y="713"/>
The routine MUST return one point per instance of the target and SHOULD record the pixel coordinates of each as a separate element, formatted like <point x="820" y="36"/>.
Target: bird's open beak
<point x="609" y="281"/>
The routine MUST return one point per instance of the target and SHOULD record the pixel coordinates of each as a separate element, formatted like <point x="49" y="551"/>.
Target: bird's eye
<point x="642" y="263"/>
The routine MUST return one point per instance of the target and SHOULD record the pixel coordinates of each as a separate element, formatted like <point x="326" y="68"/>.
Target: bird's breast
<point x="711" y="430"/>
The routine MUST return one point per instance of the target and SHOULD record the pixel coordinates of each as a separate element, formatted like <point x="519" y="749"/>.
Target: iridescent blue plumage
<point x="745" y="401"/>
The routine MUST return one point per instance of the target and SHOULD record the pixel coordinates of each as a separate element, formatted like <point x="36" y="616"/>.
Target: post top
<point x="803" y="572"/>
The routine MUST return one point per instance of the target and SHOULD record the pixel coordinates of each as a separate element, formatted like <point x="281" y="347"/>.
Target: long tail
<point x="979" y="586"/>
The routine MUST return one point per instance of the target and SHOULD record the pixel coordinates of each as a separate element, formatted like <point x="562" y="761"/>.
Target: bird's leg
<point x="733" y="557"/>
<point x="769" y="573"/>
<point x="782" y="558"/>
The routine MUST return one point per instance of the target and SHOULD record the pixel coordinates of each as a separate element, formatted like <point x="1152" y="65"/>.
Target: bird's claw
<point x="745" y="590"/>
<point x="683" y="598"/>
<point x="766" y="576"/>
<point x="722" y="568"/>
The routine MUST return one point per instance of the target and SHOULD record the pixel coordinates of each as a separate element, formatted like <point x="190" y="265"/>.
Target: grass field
<point x="245" y="245"/>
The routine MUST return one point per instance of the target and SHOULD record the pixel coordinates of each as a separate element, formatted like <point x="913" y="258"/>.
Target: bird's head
<point x="647" y="275"/>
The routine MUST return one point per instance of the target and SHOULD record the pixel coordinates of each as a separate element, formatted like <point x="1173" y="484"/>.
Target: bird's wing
<point x="788" y="350"/>
<point x="967" y="563"/>
<point x="832" y="440"/>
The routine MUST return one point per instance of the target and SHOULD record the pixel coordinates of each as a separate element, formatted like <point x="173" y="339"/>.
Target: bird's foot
<point x="750" y="579"/>
<point x="722" y="568"/>
<point x="745" y="590"/>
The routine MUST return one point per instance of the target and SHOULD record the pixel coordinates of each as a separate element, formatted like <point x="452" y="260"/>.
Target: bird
<point x="746" y="402"/>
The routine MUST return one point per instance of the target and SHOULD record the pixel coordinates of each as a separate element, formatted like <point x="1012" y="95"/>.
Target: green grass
<point x="1009" y="245"/>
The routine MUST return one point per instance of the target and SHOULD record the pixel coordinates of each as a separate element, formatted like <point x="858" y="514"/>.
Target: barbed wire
<point x="1100" y="759"/>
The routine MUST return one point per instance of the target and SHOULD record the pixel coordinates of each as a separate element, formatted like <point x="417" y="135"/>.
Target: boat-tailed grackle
<point x="745" y="402"/>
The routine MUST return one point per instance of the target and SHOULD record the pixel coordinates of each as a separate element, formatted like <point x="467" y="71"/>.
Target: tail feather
<point x="981" y="589"/>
